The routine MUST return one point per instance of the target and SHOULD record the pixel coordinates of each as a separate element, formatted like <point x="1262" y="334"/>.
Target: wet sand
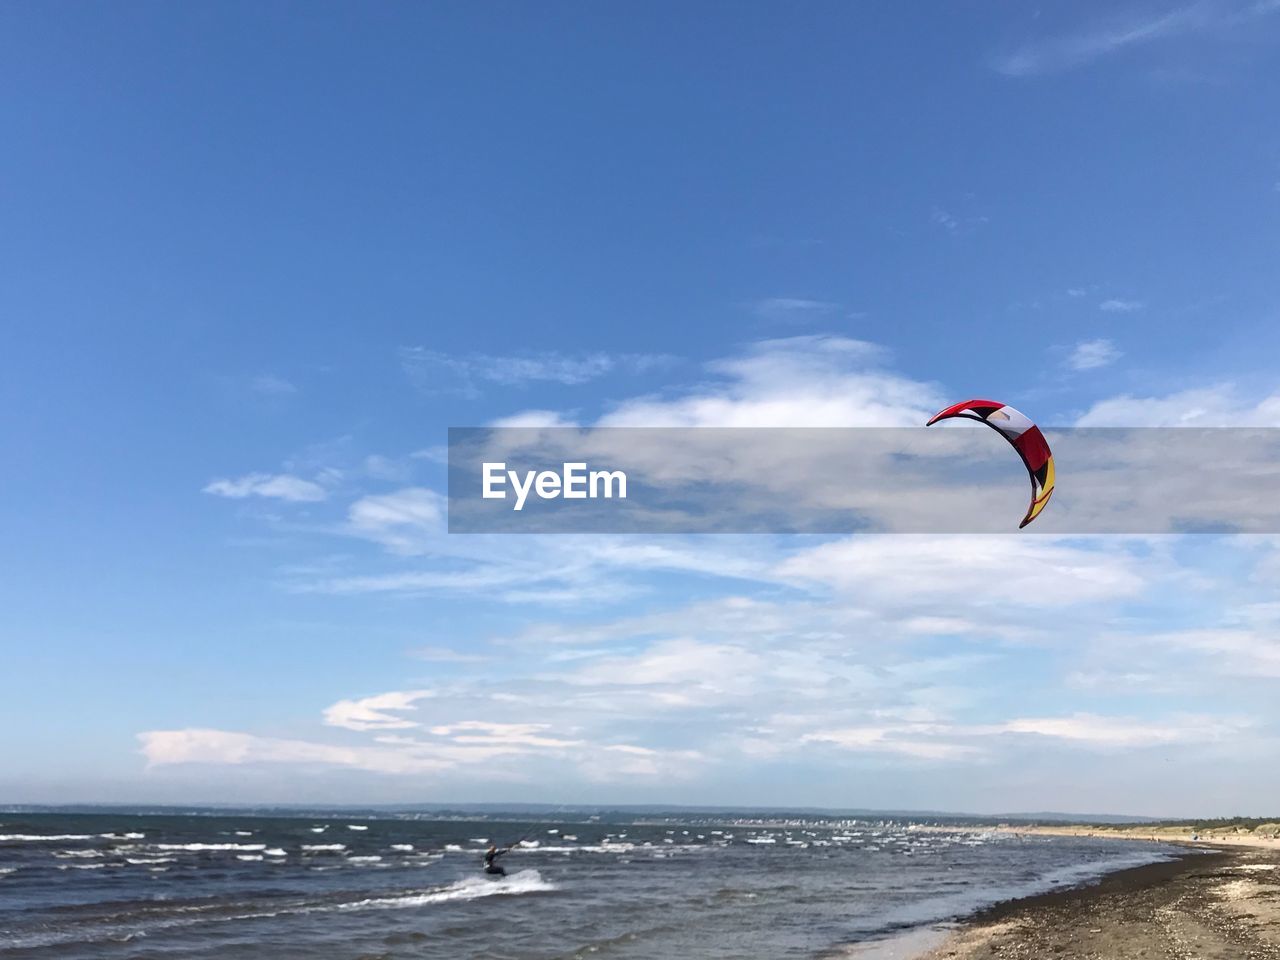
<point x="1205" y="906"/>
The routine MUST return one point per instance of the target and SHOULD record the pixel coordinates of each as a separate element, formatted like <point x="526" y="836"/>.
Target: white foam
<point x="323" y="847"/>
<point x="248" y="856"/>
<point x="122" y="836"/>
<point x="194" y="847"/>
<point x="356" y="826"/>
<point x="42" y="837"/>
<point x="275" y="852"/>
<point x="403" y="847"/>
<point x="473" y="888"/>
<point x="5" y="871"/>
<point x="367" y="859"/>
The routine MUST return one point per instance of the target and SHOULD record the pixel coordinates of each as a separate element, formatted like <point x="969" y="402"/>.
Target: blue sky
<point x="258" y="258"/>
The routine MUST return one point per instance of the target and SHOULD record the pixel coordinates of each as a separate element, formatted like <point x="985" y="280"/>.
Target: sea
<point x="129" y="887"/>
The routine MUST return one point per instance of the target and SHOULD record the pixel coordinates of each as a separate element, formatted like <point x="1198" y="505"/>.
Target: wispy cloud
<point x="1121" y="306"/>
<point x="271" y="385"/>
<point x="278" y="486"/>
<point x="1124" y="32"/>
<point x="793" y="309"/>
<point x="957" y="224"/>
<point x="403" y="521"/>
<point x="1092" y="354"/>
<point x="435" y="372"/>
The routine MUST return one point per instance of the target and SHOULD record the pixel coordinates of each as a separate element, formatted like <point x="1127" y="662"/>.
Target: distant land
<point x="604" y="812"/>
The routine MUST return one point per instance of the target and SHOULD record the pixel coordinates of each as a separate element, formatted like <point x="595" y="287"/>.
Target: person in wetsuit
<point x="491" y="865"/>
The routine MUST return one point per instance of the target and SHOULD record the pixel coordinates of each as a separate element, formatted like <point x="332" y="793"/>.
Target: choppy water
<point x="230" y="887"/>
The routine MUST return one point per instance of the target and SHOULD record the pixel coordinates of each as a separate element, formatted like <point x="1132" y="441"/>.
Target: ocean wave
<point x="43" y="837"/>
<point x="323" y="847"/>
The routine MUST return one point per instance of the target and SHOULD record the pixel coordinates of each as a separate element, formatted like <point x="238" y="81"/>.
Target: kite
<point x="1025" y="437"/>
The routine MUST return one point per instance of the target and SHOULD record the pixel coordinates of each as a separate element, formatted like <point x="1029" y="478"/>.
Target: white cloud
<point x="380" y="712"/>
<point x="943" y="741"/>
<point x="1216" y="406"/>
<point x="533" y="419"/>
<point x="1092" y="354"/>
<point x="1121" y="306"/>
<point x="229" y="748"/>
<point x="913" y="570"/>
<point x="1230" y="652"/>
<point x="808" y="381"/>
<point x="1101" y="731"/>
<point x="281" y="486"/>
<point x="403" y="521"/>
<point x="893" y="739"/>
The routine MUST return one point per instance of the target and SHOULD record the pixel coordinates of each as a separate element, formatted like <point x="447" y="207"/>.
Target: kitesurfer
<point x="491" y="865"/>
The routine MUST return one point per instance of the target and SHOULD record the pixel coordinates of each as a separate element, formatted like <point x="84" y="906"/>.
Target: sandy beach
<point x="1222" y="905"/>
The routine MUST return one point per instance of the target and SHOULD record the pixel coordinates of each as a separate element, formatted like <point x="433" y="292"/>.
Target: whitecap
<point x="473" y="888"/>
<point x="197" y="847"/>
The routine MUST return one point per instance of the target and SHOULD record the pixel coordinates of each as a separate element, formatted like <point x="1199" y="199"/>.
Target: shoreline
<point x="1179" y="836"/>
<point x="1219" y="905"/>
